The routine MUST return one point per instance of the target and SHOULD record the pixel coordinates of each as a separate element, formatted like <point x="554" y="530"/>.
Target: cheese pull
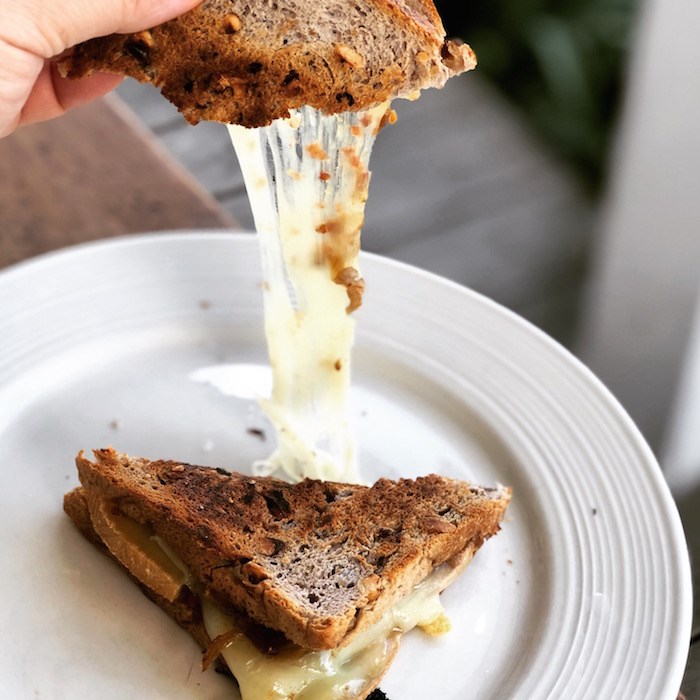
<point x="307" y="180"/>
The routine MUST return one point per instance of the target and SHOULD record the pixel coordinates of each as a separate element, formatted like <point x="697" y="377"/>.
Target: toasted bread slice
<point x="248" y="63"/>
<point x="318" y="561"/>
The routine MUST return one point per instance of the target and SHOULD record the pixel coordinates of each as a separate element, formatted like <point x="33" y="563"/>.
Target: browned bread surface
<point x="315" y="560"/>
<point x="245" y="62"/>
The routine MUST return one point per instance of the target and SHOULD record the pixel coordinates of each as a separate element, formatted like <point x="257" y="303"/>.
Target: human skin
<point x="33" y="33"/>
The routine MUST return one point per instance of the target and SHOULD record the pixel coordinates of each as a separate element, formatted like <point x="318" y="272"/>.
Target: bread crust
<point x="185" y="610"/>
<point x="243" y="62"/>
<point x="317" y="561"/>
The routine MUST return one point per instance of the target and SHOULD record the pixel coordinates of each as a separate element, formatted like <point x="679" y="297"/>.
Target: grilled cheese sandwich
<point x="174" y="526"/>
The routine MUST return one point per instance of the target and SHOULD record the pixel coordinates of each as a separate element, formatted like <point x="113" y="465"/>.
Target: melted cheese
<point x="307" y="180"/>
<point x="328" y="675"/>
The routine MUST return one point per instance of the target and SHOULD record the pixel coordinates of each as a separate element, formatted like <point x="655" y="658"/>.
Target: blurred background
<point x="562" y="65"/>
<point x="561" y="179"/>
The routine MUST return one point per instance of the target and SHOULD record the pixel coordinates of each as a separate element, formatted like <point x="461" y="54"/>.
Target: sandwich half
<point x="298" y="590"/>
<point x="249" y="63"/>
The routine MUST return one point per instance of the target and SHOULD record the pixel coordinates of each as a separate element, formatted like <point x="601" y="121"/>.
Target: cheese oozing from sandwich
<point x="307" y="180"/>
<point x="335" y="674"/>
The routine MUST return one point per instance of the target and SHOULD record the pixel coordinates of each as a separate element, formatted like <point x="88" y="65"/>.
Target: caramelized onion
<point x="217" y="646"/>
<point x="350" y="278"/>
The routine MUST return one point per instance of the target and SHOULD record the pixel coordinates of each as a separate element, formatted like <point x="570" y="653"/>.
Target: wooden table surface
<point x="95" y="173"/>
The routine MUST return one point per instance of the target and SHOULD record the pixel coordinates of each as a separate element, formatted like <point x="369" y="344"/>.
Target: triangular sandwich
<point x="301" y="590"/>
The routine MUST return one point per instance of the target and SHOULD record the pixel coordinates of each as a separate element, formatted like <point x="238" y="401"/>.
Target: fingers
<point x="48" y="27"/>
<point x="32" y="31"/>
<point x="53" y="95"/>
<point x="18" y="71"/>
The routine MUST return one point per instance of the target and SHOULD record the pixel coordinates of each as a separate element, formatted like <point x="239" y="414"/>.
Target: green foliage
<point x="562" y="62"/>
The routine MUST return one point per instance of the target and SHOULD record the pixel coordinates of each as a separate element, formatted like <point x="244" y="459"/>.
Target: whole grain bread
<point x="248" y="63"/>
<point x="318" y="561"/>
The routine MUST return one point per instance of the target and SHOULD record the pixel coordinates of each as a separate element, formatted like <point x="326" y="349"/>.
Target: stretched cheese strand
<point x="307" y="180"/>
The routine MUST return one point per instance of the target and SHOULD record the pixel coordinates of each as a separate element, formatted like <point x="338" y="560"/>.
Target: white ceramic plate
<point x="585" y="593"/>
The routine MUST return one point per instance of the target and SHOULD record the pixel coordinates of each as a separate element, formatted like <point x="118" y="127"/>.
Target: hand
<point x="33" y="32"/>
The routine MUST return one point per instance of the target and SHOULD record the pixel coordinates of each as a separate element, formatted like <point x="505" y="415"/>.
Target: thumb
<point x="48" y="27"/>
<point x="32" y="31"/>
